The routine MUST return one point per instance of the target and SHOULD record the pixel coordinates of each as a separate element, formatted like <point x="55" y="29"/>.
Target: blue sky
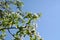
<point x="49" y="24"/>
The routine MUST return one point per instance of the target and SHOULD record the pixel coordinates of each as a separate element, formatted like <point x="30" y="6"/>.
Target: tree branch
<point x="9" y="28"/>
<point x="10" y="33"/>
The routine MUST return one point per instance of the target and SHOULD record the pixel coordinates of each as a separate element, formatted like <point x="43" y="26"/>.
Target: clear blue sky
<point x="49" y="24"/>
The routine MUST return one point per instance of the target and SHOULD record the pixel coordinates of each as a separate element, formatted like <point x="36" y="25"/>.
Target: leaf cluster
<point x="23" y="21"/>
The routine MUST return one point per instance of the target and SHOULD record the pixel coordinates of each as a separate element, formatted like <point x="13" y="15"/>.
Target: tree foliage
<point x="23" y="22"/>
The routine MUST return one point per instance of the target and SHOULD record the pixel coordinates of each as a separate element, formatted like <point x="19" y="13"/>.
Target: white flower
<point x="18" y="14"/>
<point x="36" y="25"/>
<point x="34" y="29"/>
<point x="9" y="14"/>
<point x="13" y="12"/>
<point x="35" y="14"/>
<point x="21" y="17"/>
<point x="38" y="35"/>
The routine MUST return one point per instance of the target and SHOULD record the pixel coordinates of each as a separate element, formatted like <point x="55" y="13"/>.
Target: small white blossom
<point x="34" y="29"/>
<point x="38" y="35"/>
<point x="13" y="12"/>
<point x="17" y="14"/>
<point x="36" y="25"/>
<point x="35" y="14"/>
<point x="9" y="14"/>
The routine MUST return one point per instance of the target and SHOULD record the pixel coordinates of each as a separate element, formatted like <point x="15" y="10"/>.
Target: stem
<point x="10" y="33"/>
<point x="9" y="28"/>
<point x="21" y="38"/>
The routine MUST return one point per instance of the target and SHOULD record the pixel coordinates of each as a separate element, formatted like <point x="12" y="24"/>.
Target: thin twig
<point x="10" y="33"/>
<point x="9" y="28"/>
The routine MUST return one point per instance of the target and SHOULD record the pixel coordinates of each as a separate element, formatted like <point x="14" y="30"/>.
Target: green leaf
<point x="10" y="17"/>
<point x="27" y="32"/>
<point x="17" y="38"/>
<point x="41" y="39"/>
<point x="3" y="30"/>
<point x="19" y="4"/>
<point x="29" y="15"/>
<point x="35" y="16"/>
<point x="1" y="14"/>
